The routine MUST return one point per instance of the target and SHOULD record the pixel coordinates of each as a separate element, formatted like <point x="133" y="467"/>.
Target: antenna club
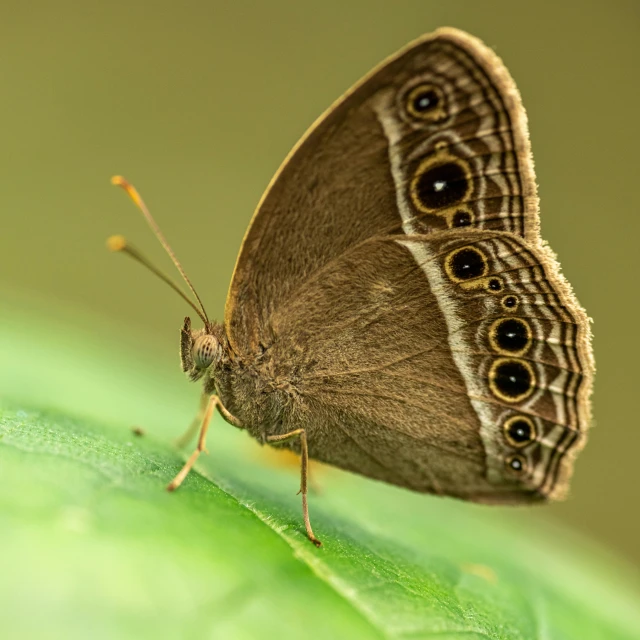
<point x="119" y="181"/>
<point x="116" y="243"/>
<point x="120" y="244"/>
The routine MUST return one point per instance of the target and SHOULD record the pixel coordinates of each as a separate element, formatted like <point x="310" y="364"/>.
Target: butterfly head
<point x="200" y="350"/>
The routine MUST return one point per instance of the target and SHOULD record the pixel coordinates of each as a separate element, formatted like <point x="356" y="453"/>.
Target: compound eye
<point x="204" y="351"/>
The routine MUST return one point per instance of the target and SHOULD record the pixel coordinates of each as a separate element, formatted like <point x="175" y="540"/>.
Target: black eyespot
<point x="461" y="219"/>
<point x="519" y="431"/>
<point x="440" y="186"/>
<point x="466" y="263"/>
<point x="512" y="335"/>
<point x="495" y="284"/>
<point x="510" y="302"/>
<point x="516" y="463"/>
<point x="426" y="102"/>
<point x="511" y="380"/>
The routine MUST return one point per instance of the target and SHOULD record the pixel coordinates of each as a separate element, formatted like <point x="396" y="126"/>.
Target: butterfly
<point x="393" y="309"/>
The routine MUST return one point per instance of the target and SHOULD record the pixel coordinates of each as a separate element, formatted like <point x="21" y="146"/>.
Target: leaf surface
<point x="93" y="545"/>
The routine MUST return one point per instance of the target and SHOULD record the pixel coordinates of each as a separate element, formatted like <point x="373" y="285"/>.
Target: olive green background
<point x="198" y="102"/>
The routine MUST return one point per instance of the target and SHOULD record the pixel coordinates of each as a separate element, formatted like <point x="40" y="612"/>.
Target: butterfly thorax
<point x="263" y="400"/>
<point x="248" y="386"/>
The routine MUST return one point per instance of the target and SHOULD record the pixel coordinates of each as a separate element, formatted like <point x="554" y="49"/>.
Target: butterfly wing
<point x="456" y="363"/>
<point x="433" y="138"/>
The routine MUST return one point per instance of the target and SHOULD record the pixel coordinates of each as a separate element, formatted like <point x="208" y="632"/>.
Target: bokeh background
<point x="198" y="102"/>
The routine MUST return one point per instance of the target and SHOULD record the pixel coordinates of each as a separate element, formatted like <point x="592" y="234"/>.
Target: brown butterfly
<point x="393" y="310"/>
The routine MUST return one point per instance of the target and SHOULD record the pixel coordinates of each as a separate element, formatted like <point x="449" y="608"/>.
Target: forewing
<point x="433" y="138"/>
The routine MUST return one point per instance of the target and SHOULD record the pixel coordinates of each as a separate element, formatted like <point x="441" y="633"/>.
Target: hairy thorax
<point x="266" y="401"/>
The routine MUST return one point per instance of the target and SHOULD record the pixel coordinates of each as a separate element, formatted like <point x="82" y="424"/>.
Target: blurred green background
<point x="197" y="103"/>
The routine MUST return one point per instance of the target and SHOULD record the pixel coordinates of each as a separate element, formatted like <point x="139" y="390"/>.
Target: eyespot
<point x="426" y="102"/>
<point x="516" y="464"/>
<point x="462" y="218"/>
<point x="466" y="263"/>
<point x="495" y="285"/>
<point x="439" y="184"/>
<point x="519" y="431"/>
<point x="511" y="380"/>
<point x="205" y="349"/>
<point x="510" y="303"/>
<point x="510" y="335"/>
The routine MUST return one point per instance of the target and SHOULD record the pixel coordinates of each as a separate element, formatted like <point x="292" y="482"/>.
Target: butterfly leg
<point x="211" y="403"/>
<point x="196" y="423"/>
<point x="304" y="473"/>
<point x="232" y="420"/>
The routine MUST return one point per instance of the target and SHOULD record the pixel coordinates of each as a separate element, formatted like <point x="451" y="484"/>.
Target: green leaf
<point x="92" y="545"/>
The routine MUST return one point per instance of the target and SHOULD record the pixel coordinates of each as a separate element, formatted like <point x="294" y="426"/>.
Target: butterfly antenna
<point x="118" y="243"/>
